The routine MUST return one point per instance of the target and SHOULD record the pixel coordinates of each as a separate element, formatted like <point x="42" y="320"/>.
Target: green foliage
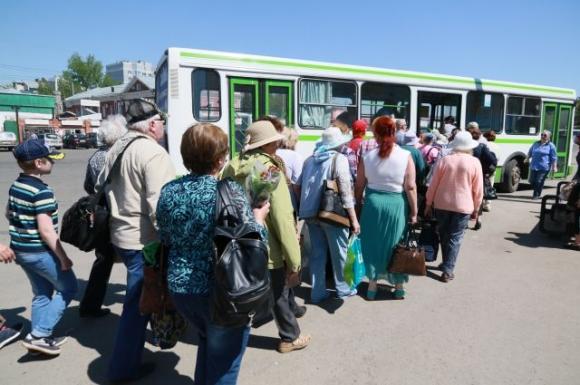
<point x="44" y="87"/>
<point x="108" y="81"/>
<point x="87" y="73"/>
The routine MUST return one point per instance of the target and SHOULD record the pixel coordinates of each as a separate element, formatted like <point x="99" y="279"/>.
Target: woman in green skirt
<point x="386" y="178"/>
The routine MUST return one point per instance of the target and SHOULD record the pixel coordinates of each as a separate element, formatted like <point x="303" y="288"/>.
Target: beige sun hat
<point x="463" y="142"/>
<point x="261" y="133"/>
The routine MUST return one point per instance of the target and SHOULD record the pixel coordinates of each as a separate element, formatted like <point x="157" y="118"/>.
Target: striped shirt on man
<point x="28" y="197"/>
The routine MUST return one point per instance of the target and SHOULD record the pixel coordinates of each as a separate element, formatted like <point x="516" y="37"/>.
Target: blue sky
<point x="525" y="41"/>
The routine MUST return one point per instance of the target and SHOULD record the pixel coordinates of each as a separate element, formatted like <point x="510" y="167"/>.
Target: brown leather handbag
<point x="408" y="257"/>
<point x="155" y="298"/>
<point x="331" y="209"/>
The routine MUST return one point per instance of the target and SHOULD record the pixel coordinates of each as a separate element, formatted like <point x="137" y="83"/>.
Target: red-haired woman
<point x="385" y="175"/>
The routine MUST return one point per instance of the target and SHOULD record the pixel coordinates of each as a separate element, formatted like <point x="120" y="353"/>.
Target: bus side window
<point x="523" y="115"/>
<point x="206" y="98"/>
<point x="486" y="109"/>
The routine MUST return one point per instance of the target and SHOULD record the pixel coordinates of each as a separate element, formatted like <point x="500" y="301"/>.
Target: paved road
<point x="511" y="316"/>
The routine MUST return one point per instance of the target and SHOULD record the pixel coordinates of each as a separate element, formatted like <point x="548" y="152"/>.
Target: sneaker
<point x="44" y="345"/>
<point x="352" y="293"/>
<point x="299" y="343"/>
<point x="7" y="335"/>
<point x="299" y="311"/>
<point x="446" y="277"/>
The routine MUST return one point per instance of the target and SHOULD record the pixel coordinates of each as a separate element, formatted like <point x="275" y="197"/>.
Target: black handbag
<point x="242" y="281"/>
<point x="429" y="239"/>
<point x="331" y="208"/>
<point x="86" y="223"/>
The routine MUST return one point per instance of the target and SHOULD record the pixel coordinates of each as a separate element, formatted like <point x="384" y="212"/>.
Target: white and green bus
<point x="231" y="90"/>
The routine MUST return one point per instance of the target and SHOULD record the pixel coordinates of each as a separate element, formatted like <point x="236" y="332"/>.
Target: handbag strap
<point x="116" y="165"/>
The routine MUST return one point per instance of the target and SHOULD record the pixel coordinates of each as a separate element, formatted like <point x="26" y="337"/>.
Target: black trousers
<point x="288" y="328"/>
<point x="98" y="279"/>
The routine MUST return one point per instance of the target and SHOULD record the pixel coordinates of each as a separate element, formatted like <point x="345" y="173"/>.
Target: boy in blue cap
<point x="33" y="216"/>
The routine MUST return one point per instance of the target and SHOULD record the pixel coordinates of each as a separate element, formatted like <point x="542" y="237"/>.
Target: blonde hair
<point x="290" y="138"/>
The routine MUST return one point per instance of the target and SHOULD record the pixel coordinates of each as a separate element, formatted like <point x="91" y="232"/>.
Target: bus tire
<point x="512" y="176"/>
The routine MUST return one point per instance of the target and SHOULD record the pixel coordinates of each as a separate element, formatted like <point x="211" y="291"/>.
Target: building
<point x="111" y="100"/>
<point x="124" y="71"/>
<point x="23" y="113"/>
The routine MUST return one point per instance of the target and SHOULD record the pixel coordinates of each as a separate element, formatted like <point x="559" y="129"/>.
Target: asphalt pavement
<point x="510" y="316"/>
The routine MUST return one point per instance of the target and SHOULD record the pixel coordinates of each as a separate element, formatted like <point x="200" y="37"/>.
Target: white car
<point x="51" y="140"/>
<point x="8" y="140"/>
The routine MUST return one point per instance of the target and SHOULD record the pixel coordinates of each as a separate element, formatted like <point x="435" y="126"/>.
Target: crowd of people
<point x="385" y="184"/>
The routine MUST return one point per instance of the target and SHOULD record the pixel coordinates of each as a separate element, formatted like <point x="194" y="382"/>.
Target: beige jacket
<point x="134" y="190"/>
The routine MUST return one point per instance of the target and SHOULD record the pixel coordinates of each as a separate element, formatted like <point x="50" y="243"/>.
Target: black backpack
<point x="242" y="280"/>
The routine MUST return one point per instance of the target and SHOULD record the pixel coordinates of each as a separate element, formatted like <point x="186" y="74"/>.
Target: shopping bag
<point x="354" y="268"/>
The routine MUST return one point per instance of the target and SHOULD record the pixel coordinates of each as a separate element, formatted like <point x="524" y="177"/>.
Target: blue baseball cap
<point x="35" y="149"/>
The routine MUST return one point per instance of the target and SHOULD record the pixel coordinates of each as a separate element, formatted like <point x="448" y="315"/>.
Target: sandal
<point x="371" y="295"/>
<point x="399" y="294"/>
<point x="572" y="246"/>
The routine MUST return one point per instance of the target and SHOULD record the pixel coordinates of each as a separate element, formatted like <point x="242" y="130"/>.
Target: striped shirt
<point x="28" y="197"/>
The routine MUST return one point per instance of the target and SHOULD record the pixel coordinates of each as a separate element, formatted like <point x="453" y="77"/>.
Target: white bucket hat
<point x="261" y="133"/>
<point x="332" y="138"/>
<point x="463" y="142"/>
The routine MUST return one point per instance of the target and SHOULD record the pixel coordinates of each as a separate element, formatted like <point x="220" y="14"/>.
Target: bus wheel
<point x="512" y="176"/>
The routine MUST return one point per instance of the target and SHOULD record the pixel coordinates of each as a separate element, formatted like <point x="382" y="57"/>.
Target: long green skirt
<point x="383" y="222"/>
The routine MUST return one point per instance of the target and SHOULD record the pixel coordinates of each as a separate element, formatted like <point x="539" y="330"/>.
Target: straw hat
<point x="261" y="133"/>
<point x="463" y="142"/>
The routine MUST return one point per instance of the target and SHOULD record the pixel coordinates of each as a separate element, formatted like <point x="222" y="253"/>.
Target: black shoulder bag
<point x="86" y="223"/>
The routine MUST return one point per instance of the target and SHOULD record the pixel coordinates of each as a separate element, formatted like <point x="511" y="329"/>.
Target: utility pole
<point x="58" y="96"/>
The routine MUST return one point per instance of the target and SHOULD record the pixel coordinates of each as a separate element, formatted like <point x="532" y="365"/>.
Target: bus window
<point x="320" y="100"/>
<point x="438" y="106"/>
<point x="486" y="109"/>
<point x="161" y="88"/>
<point x="522" y="115"/>
<point x="394" y="97"/>
<point x="205" y="85"/>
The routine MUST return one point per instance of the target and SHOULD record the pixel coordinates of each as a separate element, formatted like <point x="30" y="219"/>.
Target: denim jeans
<point x="220" y="349"/>
<point x="325" y="237"/>
<point x="53" y="289"/>
<point x="130" y="339"/>
<point x="451" y="226"/>
<point x="537" y="179"/>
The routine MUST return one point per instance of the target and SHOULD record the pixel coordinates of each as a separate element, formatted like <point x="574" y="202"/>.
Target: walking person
<point x="453" y="196"/>
<point x="33" y="216"/>
<point x="183" y="210"/>
<point x="132" y="195"/>
<point x="386" y="176"/>
<point x="285" y="259"/>
<point x="8" y="334"/>
<point x="111" y="129"/>
<point x="327" y="237"/>
<point x="542" y="158"/>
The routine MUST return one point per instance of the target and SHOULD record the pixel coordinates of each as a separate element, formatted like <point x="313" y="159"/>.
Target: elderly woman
<point x="455" y="193"/>
<point x="112" y="128"/>
<point x="262" y="141"/>
<point x="327" y="163"/>
<point x="185" y="213"/>
<point x="543" y="158"/>
<point x="385" y="175"/>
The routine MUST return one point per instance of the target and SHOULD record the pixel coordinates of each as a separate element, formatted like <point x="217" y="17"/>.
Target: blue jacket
<point x="543" y="156"/>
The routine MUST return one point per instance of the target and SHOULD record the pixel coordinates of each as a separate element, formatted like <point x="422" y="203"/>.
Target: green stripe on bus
<point x="516" y="140"/>
<point x="370" y="71"/>
<point x="309" y="138"/>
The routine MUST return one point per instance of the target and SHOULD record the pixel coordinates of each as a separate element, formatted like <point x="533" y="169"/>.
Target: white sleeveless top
<point x="386" y="174"/>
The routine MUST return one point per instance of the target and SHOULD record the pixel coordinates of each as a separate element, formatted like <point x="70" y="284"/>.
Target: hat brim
<point x="471" y="146"/>
<point x="263" y="142"/>
<point x="56" y="155"/>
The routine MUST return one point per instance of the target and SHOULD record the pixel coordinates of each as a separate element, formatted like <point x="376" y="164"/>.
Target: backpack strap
<point x="116" y="165"/>
<point x="226" y="212"/>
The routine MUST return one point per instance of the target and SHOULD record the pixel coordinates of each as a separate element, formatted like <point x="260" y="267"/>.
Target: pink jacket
<point x="457" y="184"/>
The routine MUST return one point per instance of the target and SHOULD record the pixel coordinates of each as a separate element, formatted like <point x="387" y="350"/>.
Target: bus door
<point x="558" y="120"/>
<point x="251" y="98"/>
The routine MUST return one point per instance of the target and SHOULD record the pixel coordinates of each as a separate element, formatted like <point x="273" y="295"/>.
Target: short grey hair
<point x="400" y="122"/>
<point x="548" y="133"/>
<point x="112" y="129"/>
<point x="472" y="125"/>
<point x="143" y="125"/>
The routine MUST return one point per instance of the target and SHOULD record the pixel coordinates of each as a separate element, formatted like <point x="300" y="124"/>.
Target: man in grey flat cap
<point x="132" y="193"/>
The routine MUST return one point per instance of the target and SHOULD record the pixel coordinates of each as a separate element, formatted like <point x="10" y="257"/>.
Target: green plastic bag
<point x="150" y="253"/>
<point x="354" y="268"/>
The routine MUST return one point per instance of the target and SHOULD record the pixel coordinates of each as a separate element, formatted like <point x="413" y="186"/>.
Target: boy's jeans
<point x="53" y="289"/>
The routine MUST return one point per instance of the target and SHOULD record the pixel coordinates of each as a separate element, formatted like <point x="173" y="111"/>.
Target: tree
<point x="86" y="73"/>
<point x="44" y="87"/>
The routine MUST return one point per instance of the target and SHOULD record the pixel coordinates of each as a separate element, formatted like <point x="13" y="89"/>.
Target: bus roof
<point x="266" y="64"/>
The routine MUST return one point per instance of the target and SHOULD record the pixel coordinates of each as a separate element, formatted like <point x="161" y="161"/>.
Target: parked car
<point x="51" y="140"/>
<point x="8" y="140"/>
<point x="75" y="141"/>
<point x="93" y="140"/>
